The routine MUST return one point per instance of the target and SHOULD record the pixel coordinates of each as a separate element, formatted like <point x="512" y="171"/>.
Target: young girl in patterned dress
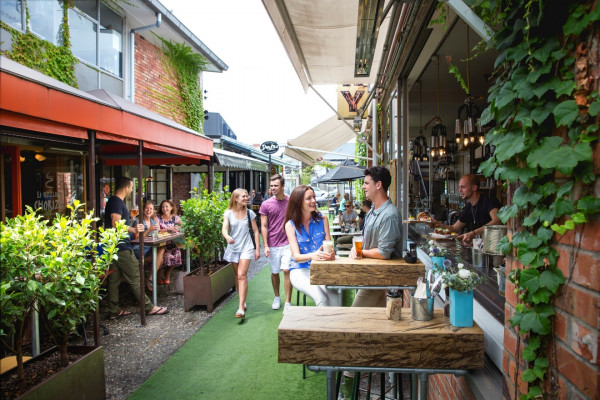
<point x="168" y="221"/>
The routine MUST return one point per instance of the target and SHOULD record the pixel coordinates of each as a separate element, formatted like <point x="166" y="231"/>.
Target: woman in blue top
<point x="306" y="229"/>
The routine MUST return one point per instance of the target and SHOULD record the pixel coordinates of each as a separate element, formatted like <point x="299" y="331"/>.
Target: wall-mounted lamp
<point x="40" y="157"/>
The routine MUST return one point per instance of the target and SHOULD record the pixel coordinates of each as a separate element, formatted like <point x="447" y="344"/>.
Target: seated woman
<point x="168" y="255"/>
<point x="150" y="225"/>
<point x="306" y="229"/>
<point x="348" y="217"/>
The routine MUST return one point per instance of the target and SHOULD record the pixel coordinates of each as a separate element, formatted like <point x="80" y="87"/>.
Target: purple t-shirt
<point x="274" y="210"/>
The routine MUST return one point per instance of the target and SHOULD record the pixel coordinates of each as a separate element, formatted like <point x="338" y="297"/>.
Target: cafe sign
<point x="269" y="147"/>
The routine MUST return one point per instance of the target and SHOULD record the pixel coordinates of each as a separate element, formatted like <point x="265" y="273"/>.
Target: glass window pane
<point x="83" y="37"/>
<point x="111" y="41"/>
<point x="10" y="12"/>
<point x="90" y="7"/>
<point x="45" y="17"/>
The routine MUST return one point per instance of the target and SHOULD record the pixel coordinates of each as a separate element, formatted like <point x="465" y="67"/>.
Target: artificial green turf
<point x="233" y="359"/>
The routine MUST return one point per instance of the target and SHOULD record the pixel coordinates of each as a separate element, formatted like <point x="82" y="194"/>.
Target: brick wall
<point x="152" y="81"/>
<point x="181" y="188"/>
<point x="573" y="352"/>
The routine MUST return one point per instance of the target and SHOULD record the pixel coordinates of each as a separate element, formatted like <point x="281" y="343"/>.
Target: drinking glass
<point x="358" y="242"/>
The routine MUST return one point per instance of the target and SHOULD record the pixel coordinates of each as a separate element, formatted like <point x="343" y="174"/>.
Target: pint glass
<point x="358" y="241"/>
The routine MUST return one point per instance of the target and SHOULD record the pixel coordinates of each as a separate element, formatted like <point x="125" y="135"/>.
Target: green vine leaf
<point x="507" y="212"/>
<point x="594" y="108"/>
<point x="530" y="278"/>
<point x="589" y="205"/>
<point x="523" y="196"/>
<point x="565" y="113"/>
<point x="510" y="144"/>
<point x="532" y="346"/>
<point x="552" y="279"/>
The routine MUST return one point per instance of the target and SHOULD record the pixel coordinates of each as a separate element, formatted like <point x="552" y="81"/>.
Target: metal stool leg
<point x="369" y="386"/>
<point x="356" y="386"/>
<point x="338" y="382"/>
<point x="382" y="385"/>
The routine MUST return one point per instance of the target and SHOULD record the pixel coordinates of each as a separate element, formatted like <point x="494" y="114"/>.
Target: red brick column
<point x="181" y="188"/>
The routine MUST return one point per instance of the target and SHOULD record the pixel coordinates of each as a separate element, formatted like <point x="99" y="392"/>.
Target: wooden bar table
<point x="334" y="339"/>
<point x="155" y="244"/>
<point x="365" y="273"/>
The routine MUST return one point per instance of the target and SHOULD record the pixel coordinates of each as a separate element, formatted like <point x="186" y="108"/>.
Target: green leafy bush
<point x="202" y="221"/>
<point x="54" y="268"/>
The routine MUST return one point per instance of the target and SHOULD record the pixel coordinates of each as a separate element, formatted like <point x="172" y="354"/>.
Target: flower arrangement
<point x="435" y="250"/>
<point x="460" y="278"/>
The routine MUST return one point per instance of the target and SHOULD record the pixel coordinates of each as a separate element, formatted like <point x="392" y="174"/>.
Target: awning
<point x="127" y="154"/>
<point x="33" y="101"/>
<point x="323" y="138"/>
<point x="233" y="160"/>
<point x="320" y="38"/>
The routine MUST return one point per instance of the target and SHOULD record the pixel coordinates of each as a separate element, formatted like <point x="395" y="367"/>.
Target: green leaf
<point x="534" y="392"/>
<point x="530" y="220"/>
<point x="535" y="75"/>
<point x="487" y="167"/>
<point x="523" y="196"/>
<point x="537" y="156"/>
<point x="563" y="207"/>
<point x="510" y="144"/>
<point x="530" y="279"/>
<point x="564" y="189"/>
<point x="565" y="113"/>
<point x="507" y="212"/>
<point x="528" y="354"/>
<point x="544" y="52"/>
<point x="579" y="218"/>
<point x="79" y="279"/>
<point x="544" y="234"/>
<point x="564" y="88"/>
<point x="594" y="108"/>
<point x="532" y="321"/>
<point x="589" y="205"/>
<point x="539" y="114"/>
<point x="506" y="95"/>
<point x="546" y="85"/>
<point x="551" y="280"/>
<point x="533" y="242"/>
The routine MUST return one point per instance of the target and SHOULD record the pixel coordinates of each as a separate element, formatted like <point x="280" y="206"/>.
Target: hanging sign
<point x="269" y="147"/>
<point x="350" y="98"/>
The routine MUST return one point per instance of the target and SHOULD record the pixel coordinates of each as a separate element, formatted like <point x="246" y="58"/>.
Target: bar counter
<point x="486" y="294"/>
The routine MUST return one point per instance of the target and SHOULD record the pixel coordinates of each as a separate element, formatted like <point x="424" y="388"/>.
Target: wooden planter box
<point x="206" y="290"/>
<point x="83" y="379"/>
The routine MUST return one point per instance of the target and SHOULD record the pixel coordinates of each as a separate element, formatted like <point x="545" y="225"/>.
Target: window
<point x="98" y="41"/>
<point x="10" y="12"/>
<point x="45" y="18"/>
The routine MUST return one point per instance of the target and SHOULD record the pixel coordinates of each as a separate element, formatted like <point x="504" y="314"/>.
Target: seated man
<point x="381" y="235"/>
<point x="480" y="209"/>
<point x="347" y="218"/>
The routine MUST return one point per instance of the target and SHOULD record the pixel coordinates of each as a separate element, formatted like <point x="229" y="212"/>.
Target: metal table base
<point x="423" y="374"/>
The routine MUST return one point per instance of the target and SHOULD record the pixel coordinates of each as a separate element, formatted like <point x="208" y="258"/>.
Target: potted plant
<point x="437" y="254"/>
<point x="461" y="282"/>
<point x="202" y="221"/>
<point x="53" y="268"/>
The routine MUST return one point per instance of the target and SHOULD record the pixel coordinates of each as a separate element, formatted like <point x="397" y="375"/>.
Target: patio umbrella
<point x="348" y="170"/>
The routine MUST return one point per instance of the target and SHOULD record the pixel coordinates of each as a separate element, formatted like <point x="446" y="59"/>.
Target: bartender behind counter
<point x="480" y="209"/>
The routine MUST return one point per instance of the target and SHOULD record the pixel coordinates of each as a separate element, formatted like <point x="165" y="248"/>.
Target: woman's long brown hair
<point x="294" y="208"/>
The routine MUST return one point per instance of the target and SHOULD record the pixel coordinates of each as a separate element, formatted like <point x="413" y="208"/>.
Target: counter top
<point x="363" y="336"/>
<point x="345" y="271"/>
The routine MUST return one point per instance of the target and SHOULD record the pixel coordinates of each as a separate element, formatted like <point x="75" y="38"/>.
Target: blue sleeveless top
<point x="310" y="241"/>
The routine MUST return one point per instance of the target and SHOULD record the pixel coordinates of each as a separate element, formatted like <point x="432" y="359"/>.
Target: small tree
<point x="201" y="221"/>
<point x="55" y="267"/>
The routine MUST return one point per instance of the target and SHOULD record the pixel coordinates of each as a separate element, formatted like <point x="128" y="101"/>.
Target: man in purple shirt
<point x="277" y="248"/>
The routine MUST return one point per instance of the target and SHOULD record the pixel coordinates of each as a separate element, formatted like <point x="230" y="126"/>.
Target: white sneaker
<point x="276" y="303"/>
<point x="286" y="307"/>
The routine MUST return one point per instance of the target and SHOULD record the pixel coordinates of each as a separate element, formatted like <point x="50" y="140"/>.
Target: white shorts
<point x="236" y="256"/>
<point x="280" y="259"/>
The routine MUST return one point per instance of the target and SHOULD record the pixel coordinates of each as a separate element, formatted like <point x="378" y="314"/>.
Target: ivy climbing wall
<point x="152" y="81"/>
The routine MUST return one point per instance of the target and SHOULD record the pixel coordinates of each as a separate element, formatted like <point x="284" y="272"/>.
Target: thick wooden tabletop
<point x="345" y="271"/>
<point x="364" y="337"/>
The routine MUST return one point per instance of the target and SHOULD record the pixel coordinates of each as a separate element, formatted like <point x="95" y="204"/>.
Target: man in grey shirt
<point x="381" y="234"/>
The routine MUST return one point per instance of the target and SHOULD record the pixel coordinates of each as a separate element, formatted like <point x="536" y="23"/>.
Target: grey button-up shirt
<point x="382" y="231"/>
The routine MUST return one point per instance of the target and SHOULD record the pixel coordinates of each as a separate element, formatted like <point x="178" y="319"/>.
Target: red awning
<point x="124" y="154"/>
<point x="30" y="100"/>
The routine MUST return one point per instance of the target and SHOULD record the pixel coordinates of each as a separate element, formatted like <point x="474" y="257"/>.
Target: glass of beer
<point x="134" y="211"/>
<point x="328" y="246"/>
<point x="358" y="241"/>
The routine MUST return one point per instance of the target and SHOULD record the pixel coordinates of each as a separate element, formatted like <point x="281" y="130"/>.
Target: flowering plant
<point x="460" y="278"/>
<point x="436" y="250"/>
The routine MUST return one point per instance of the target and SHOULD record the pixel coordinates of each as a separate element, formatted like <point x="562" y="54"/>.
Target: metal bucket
<point x="492" y="234"/>
<point x="421" y="309"/>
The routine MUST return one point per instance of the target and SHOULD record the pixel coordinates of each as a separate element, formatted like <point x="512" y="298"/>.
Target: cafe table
<point x="362" y="339"/>
<point x="365" y="273"/>
<point x="155" y="244"/>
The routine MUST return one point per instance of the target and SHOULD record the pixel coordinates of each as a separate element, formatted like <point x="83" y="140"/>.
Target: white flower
<point x="461" y="266"/>
<point x="464" y="274"/>
<point x="431" y="242"/>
